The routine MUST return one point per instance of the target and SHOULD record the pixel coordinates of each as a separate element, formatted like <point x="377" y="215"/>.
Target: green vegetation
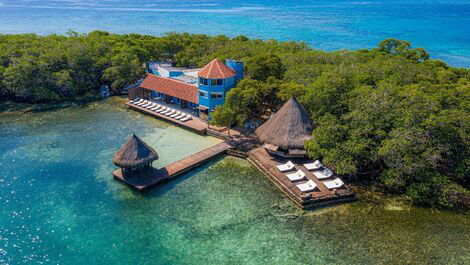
<point x="389" y="116"/>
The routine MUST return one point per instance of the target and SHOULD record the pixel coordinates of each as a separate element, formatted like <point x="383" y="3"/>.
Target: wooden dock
<point x="320" y="197"/>
<point x="155" y="176"/>
<point x="194" y="125"/>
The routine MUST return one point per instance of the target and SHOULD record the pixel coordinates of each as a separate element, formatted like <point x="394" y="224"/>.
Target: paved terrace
<point x="321" y="196"/>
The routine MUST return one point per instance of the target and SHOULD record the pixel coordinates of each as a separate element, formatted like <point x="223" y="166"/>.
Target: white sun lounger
<point x="148" y="104"/>
<point x="180" y="116"/>
<point x="323" y="174"/>
<point x="175" y="114"/>
<point x="151" y="106"/>
<point x="156" y="107"/>
<point x="299" y="175"/>
<point x="135" y="100"/>
<point x="170" y="113"/>
<point x="162" y="109"/>
<point x="286" y="167"/>
<point x="166" y="111"/>
<point x="313" y="166"/>
<point x="142" y="103"/>
<point x="334" y="184"/>
<point x="307" y="186"/>
<point x="187" y="118"/>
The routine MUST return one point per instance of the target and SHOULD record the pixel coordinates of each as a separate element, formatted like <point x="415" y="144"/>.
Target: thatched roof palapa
<point x="135" y="154"/>
<point x="288" y="128"/>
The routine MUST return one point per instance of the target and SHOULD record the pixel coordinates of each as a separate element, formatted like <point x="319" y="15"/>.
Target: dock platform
<point x="322" y="196"/>
<point x="155" y="176"/>
<point x="194" y="125"/>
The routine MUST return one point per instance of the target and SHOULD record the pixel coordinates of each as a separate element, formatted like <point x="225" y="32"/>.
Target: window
<point x="203" y="81"/>
<point x="216" y="82"/>
<point x="217" y="95"/>
<point x="203" y="94"/>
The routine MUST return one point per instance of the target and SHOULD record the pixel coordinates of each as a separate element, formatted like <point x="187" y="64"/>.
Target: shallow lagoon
<point x="60" y="205"/>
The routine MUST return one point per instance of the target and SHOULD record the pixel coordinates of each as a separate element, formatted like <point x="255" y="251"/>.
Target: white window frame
<point x="205" y="93"/>
<point x="217" y="93"/>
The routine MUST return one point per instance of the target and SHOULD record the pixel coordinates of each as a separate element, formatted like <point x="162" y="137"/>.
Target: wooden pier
<point x="322" y="196"/>
<point x="155" y="176"/>
<point x="194" y="125"/>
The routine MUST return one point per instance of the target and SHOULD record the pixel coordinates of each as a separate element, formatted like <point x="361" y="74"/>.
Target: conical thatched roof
<point x="135" y="153"/>
<point x="288" y="128"/>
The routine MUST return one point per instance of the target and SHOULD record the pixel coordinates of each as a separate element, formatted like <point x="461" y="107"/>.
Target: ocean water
<point x="60" y="205"/>
<point x="440" y="26"/>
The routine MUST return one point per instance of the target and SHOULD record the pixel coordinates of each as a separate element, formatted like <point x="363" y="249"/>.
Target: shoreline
<point x="10" y="107"/>
<point x="366" y="193"/>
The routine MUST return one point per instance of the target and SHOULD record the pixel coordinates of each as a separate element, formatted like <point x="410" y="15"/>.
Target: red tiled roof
<point x="216" y="69"/>
<point x="171" y="87"/>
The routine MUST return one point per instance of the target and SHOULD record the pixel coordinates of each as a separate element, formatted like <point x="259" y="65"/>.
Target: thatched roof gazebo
<point x="287" y="130"/>
<point x="135" y="155"/>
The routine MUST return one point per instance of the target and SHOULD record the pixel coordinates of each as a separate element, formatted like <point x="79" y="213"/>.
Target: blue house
<point x="201" y="90"/>
<point x="214" y="81"/>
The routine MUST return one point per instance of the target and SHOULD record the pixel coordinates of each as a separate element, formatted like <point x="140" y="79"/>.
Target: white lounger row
<point x="172" y="113"/>
<point x="310" y="185"/>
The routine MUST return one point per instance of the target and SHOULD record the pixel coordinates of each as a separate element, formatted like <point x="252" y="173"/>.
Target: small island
<point x="391" y="117"/>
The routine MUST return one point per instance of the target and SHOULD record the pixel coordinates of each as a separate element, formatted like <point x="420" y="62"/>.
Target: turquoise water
<point x="440" y="26"/>
<point x="60" y="205"/>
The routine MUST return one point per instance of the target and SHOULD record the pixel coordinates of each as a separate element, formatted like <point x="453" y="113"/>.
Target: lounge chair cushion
<point x="299" y="175"/>
<point x="187" y="118"/>
<point x="323" y="174"/>
<point x="286" y="167"/>
<point x="180" y="116"/>
<point x="171" y="112"/>
<point x="334" y="184"/>
<point x="307" y="186"/>
<point x="165" y="111"/>
<point x="175" y="114"/>
<point x="313" y="166"/>
<point x="157" y="107"/>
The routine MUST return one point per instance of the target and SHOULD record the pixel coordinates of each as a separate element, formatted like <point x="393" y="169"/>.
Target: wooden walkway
<point x="193" y="125"/>
<point x="320" y="197"/>
<point x="155" y="176"/>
